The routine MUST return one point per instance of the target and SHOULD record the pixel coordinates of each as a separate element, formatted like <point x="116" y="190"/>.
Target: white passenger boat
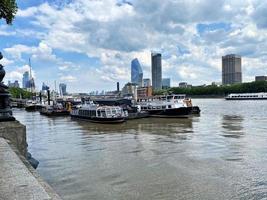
<point x="247" y="96"/>
<point x="99" y="114"/>
<point x="168" y="106"/>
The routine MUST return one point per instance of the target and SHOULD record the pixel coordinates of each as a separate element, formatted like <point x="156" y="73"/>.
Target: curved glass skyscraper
<point x="136" y="72"/>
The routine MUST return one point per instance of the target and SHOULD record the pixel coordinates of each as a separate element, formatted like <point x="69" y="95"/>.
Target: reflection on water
<point x="159" y="126"/>
<point x="232" y="126"/>
<point x="220" y="155"/>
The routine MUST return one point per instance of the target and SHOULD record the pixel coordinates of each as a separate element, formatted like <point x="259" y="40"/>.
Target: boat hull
<point x="195" y="110"/>
<point x="33" y="108"/>
<point x="100" y="120"/>
<point x="137" y="115"/>
<point x="182" y="112"/>
<point x="54" y="113"/>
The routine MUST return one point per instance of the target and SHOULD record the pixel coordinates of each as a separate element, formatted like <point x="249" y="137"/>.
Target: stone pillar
<point x="15" y="133"/>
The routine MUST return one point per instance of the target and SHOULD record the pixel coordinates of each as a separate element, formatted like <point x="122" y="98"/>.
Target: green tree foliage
<point x="213" y="90"/>
<point x="8" y="9"/>
<point x="19" y="93"/>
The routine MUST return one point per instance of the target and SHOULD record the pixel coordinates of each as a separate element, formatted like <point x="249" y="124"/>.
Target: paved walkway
<point x="17" y="182"/>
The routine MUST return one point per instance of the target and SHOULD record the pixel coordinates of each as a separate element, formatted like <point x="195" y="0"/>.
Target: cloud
<point x="191" y="35"/>
<point x="6" y="62"/>
<point x="29" y="12"/>
<point x="41" y="52"/>
<point x="68" y="78"/>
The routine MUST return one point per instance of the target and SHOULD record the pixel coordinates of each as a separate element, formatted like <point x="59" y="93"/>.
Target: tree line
<point x="19" y="93"/>
<point x="214" y="90"/>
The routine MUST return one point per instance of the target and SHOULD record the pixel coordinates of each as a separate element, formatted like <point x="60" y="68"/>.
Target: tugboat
<point x="170" y="106"/>
<point x="100" y="114"/>
<point x="55" y="110"/>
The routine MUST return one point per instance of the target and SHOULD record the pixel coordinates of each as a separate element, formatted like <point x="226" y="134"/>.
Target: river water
<point x="222" y="154"/>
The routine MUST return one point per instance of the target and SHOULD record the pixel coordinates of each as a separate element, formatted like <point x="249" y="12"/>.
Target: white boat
<point x="99" y="114"/>
<point x="247" y="96"/>
<point x="168" y="106"/>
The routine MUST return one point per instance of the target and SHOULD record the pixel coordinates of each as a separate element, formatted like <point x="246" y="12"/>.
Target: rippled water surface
<point x="220" y="155"/>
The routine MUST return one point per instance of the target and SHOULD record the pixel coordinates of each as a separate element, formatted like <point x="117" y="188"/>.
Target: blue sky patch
<point x="202" y="28"/>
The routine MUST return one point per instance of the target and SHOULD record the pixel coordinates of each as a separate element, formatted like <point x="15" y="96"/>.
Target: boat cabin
<point x="163" y="102"/>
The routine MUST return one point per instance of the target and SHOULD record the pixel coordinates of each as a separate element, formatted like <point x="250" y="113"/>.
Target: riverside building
<point x="231" y="69"/>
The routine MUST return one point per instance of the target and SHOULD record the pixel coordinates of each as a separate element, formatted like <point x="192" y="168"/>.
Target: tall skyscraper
<point x="45" y="87"/>
<point x="26" y="80"/>
<point x="147" y="82"/>
<point x="166" y="83"/>
<point x="231" y="69"/>
<point x="156" y="71"/>
<point x="136" y="73"/>
<point x="62" y="89"/>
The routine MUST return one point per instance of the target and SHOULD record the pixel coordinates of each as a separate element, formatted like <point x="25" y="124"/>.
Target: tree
<point x="8" y="9"/>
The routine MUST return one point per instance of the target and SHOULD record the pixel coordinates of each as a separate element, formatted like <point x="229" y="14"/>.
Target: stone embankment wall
<point x="15" y="132"/>
<point x="18" y="180"/>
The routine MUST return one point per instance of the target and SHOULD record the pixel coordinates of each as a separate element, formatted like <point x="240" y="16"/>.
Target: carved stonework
<point x="5" y="109"/>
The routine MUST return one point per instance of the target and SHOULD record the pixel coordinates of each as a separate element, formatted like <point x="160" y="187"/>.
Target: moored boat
<point x="55" y="110"/>
<point x="100" y="114"/>
<point x="169" y="106"/>
<point x="33" y="106"/>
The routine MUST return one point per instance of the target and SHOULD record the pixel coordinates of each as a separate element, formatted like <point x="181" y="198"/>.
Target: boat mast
<point x="30" y="73"/>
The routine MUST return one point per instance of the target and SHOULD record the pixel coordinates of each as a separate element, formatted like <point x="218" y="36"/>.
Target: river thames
<point x="222" y="154"/>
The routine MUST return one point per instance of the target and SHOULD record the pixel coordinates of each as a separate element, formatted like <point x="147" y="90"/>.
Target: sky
<point x="89" y="44"/>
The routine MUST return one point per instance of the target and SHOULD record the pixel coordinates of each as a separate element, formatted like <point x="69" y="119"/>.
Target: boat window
<point x="108" y="111"/>
<point x="103" y="113"/>
<point x="163" y="107"/>
<point x="169" y="106"/>
<point x="93" y="113"/>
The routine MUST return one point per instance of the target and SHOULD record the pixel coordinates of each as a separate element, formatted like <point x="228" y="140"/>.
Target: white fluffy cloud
<point x="68" y="78"/>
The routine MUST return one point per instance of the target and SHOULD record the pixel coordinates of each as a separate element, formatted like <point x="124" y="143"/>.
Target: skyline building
<point x="15" y="84"/>
<point x="136" y="73"/>
<point x="260" y="78"/>
<point x="147" y="82"/>
<point x="62" y="89"/>
<point x="45" y="87"/>
<point x="231" y="69"/>
<point x="130" y="90"/>
<point x="156" y="71"/>
<point x="26" y="80"/>
<point x="166" y="83"/>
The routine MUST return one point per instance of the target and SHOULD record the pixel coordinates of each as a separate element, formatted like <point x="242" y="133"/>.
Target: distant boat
<point x="247" y="96"/>
<point x="99" y="114"/>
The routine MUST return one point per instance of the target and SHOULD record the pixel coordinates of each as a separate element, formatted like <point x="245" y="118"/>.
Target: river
<point x="222" y="154"/>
